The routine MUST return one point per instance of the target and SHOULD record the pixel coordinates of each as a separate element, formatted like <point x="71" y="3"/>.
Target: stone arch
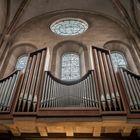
<point x="58" y="13"/>
<point x="14" y="53"/>
<point x="126" y="50"/>
<point x="50" y="17"/>
<point x="69" y="46"/>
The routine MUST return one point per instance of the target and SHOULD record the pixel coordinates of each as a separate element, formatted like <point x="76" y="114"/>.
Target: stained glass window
<point x="118" y="60"/>
<point x="21" y="62"/>
<point x="70" y="68"/>
<point x="69" y="26"/>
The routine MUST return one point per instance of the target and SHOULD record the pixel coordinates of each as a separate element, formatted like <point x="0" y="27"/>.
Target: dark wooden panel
<point x="107" y="83"/>
<point x="31" y="82"/>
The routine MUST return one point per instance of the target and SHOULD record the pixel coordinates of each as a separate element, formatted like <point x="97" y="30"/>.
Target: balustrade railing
<point x="131" y="83"/>
<point x="8" y="87"/>
<point x="107" y="85"/>
<point x="81" y="93"/>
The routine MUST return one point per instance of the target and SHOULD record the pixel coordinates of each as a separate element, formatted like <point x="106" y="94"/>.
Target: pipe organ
<point x="107" y="85"/>
<point x="99" y="89"/>
<point x="35" y="96"/>
<point x="131" y="83"/>
<point x="30" y="85"/>
<point x="8" y="87"/>
<point x="80" y="93"/>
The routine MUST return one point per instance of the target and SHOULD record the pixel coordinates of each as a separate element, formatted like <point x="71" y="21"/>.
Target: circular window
<point x="69" y="26"/>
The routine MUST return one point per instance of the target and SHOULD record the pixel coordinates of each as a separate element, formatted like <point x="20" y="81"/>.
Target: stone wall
<point x="2" y="14"/>
<point x="37" y="32"/>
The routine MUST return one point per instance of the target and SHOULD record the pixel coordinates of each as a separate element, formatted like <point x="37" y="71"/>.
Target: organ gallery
<point x="69" y="69"/>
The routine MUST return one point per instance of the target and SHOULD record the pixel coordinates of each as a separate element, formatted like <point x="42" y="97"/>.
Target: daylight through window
<point x="69" y="26"/>
<point x="21" y="62"/>
<point x="70" y="67"/>
<point x="118" y="60"/>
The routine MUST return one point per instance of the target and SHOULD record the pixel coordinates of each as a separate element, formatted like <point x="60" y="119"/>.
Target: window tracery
<point x="69" y="26"/>
<point x="118" y="60"/>
<point x="70" y="67"/>
<point x="21" y="62"/>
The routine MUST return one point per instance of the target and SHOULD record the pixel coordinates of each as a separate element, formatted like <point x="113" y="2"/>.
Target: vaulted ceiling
<point x="126" y="11"/>
<point x="15" y="13"/>
<point x="38" y="7"/>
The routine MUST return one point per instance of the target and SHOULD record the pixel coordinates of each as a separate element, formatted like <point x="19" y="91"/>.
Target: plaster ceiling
<point x="39" y="7"/>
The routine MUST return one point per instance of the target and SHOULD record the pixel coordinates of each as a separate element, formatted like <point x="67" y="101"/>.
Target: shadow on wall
<point x="127" y="51"/>
<point x="14" y="53"/>
<point x="69" y="47"/>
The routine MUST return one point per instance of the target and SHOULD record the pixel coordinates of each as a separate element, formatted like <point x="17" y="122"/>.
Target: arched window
<point x="118" y="60"/>
<point x="21" y="62"/>
<point x="70" y="66"/>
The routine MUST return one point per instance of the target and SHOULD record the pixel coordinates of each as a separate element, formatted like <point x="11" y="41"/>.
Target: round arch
<point x="126" y="50"/>
<point x="57" y="13"/>
<point x="69" y="46"/>
<point x="14" y="53"/>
